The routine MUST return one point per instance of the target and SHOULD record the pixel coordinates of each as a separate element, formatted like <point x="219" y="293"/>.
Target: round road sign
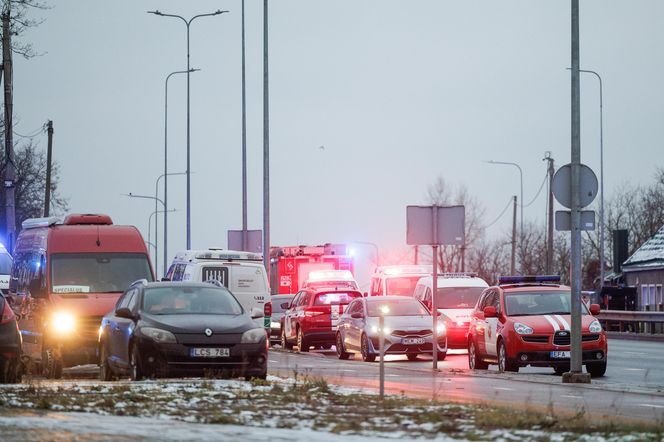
<point x="562" y="186"/>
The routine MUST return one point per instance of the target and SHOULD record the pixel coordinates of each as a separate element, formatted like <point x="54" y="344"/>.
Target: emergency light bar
<point x="229" y="255"/>
<point x="33" y="223"/>
<point x="330" y="275"/>
<point x="503" y="280"/>
<point x="458" y="275"/>
<point x="405" y="270"/>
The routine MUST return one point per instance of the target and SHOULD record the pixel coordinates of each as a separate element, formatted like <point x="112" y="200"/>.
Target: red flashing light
<point x="267" y="309"/>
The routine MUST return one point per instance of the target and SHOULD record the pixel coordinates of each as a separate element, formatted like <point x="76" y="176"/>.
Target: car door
<point x="118" y="330"/>
<point x="354" y="325"/>
<point x="289" y="320"/>
<point x="480" y="324"/>
<point x="127" y="326"/>
<point x="491" y="335"/>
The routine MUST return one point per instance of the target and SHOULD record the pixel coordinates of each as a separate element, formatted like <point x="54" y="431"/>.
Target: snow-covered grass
<point x="311" y="404"/>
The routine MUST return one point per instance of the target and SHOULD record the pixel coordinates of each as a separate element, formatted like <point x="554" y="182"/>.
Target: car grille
<point x="564" y="338"/>
<point x="419" y="333"/>
<point x="537" y="339"/>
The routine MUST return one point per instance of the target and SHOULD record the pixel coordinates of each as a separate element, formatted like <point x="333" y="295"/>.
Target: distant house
<point x="645" y="271"/>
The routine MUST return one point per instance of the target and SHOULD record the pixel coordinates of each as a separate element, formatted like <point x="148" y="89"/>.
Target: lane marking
<point x="636" y="353"/>
<point x="571" y="396"/>
<point x="393" y="375"/>
<point x="651" y="405"/>
<point x="503" y="388"/>
<point x="553" y="323"/>
<point x="634" y="369"/>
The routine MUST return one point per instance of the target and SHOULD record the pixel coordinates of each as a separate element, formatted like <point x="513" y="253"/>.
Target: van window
<point x="5" y="264"/>
<point x="458" y="297"/>
<point x="215" y="273"/>
<point x="401" y="285"/>
<point x="248" y="279"/>
<point x="97" y="272"/>
<point x="178" y="272"/>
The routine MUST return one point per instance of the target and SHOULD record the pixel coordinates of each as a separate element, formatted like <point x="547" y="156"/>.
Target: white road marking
<point x="571" y="396"/>
<point x="503" y="388"/>
<point x="651" y="405"/>
<point x="634" y="369"/>
<point x="393" y="375"/>
<point x="273" y="361"/>
<point x="636" y="353"/>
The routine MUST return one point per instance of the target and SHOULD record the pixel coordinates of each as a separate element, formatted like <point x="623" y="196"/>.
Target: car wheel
<point x="503" y="363"/>
<point x="412" y="356"/>
<point x="364" y="349"/>
<point x="105" y="371"/>
<point x="9" y="371"/>
<point x="441" y="355"/>
<point x="52" y="364"/>
<point x="135" y="364"/>
<point x="284" y="342"/>
<point x="302" y="345"/>
<point x="474" y="360"/>
<point x="596" y="369"/>
<point x="341" y="351"/>
<point x="560" y="369"/>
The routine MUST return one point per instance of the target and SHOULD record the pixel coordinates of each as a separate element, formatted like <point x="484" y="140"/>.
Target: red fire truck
<point x="290" y="266"/>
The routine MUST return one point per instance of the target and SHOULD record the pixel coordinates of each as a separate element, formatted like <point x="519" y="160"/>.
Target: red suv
<point x="526" y="321"/>
<point x="311" y="317"/>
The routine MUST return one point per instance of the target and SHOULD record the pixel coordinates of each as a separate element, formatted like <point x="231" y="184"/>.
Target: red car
<point x="311" y="317"/>
<point x="526" y="321"/>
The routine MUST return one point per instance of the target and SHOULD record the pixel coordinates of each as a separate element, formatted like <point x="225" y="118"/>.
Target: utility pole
<point x="245" y="234"/>
<point x="549" y="233"/>
<point x="266" y="147"/>
<point x="417" y="255"/>
<point x="513" y="260"/>
<point x="49" y="161"/>
<point x="10" y="166"/>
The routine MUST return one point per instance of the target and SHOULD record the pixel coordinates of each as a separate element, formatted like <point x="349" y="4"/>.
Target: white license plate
<point x="412" y="341"/>
<point x="209" y="352"/>
<point x="559" y="355"/>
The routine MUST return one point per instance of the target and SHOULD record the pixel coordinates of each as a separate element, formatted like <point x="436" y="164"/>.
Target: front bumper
<point x="395" y="345"/>
<point x="593" y="347"/>
<point x="172" y="359"/>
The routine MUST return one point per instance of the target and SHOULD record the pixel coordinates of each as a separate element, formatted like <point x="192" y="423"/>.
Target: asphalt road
<point x="633" y="387"/>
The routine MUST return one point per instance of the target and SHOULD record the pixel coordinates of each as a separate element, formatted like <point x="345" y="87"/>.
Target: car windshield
<point x="5" y="264"/>
<point x="335" y="298"/>
<point x="401" y="285"/>
<point x="396" y="307"/>
<point x="458" y="297"/>
<point x="97" y="272"/>
<point x="190" y="300"/>
<point x="539" y="303"/>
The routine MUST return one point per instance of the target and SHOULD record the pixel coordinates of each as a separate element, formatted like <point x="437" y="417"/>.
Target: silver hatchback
<point x="407" y="331"/>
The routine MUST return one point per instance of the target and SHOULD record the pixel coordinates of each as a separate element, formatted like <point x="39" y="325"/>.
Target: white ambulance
<point x="242" y="273"/>
<point x="399" y="280"/>
<point x="5" y="269"/>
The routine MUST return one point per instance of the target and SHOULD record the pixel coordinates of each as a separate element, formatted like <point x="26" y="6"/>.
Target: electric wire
<point x="538" y="192"/>
<point x="32" y="134"/>
<point x="499" y="216"/>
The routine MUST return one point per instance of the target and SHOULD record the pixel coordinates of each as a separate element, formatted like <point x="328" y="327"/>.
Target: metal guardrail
<point x="633" y="323"/>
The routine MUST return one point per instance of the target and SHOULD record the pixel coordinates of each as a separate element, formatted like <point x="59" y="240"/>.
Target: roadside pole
<point x="434" y="294"/>
<point x="549" y="233"/>
<point x="381" y="349"/>
<point x="49" y="161"/>
<point x="10" y="166"/>
<point x="266" y="147"/>
<point x="513" y="259"/>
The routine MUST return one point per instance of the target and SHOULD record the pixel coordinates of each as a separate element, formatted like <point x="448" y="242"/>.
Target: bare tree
<point x="20" y="20"/>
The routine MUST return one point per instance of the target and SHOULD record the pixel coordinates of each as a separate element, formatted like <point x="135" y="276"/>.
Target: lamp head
<point x="155" y="12"/>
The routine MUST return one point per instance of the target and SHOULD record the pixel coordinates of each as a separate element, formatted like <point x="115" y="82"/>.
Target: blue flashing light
<point x="503" y="280"/>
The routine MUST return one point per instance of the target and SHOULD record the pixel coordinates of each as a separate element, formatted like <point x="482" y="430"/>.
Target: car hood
<point x="196" y="323"/>
<point x="551" y="323"/>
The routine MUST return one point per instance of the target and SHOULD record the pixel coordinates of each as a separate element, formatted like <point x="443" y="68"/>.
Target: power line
<point x="509" y="203"/>
<point x="538" y="192"/>
<point x="34" y="133"/>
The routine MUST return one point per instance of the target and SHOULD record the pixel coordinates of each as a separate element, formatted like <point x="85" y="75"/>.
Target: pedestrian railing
<point x="632" y="322"/>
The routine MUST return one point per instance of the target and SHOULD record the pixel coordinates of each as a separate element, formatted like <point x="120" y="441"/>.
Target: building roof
<point x="649" y="255"/>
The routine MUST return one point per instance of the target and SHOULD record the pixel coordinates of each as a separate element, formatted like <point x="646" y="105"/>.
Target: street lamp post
<point x="131" y="195"/>
<point x="156" y="237"/>
<point x="521" y="203"/>
<point x="165" y="211"/>
<point x="601" y="178"/>
<point x="188" y="23"/>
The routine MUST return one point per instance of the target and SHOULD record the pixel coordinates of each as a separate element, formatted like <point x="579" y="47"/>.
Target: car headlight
<point x="159" y="335"/>
<point x="275" y="324"/>
<point x="63" y="322"/>
<point x="253" y="336"/>
<point x="522" y="329"/>
<point x="441" y="329"/>
<point x="595" y="327"/>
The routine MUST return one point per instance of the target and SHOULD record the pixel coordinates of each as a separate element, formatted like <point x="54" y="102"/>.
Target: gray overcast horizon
<point x="398" y="93"/>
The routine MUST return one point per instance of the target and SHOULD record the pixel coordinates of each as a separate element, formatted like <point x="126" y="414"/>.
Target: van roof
<point x="403" y="269"/>
<point x="216" y="254"/>
<point x="455" y="280"/>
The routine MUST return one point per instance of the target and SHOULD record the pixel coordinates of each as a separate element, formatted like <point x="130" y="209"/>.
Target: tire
<point x="364" y="349"/>
<point x="284" y="342"/>
<point x="105" y="371"/>
<point x="341" y="350"/>
<point x="52" y="364"/>
<point x="135" y="364"/>
<point x="596" y="369"/>
<point x="9" y="371"/>
<point x="412" y="356"/>
<point x="560" y="369"/>
<point x="302" y="345"/>
<point x="504" y="364"/>
<point x="474" y="360"/>
<point x="441" y="355"/>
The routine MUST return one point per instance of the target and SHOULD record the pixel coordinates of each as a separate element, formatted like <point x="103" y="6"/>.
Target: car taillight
<point x="7" y="314"/>
<point x="267" y="309"/>
<point x="310" y="313"/>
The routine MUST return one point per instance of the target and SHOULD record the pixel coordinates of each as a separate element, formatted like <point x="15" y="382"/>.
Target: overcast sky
<point x="397" y="92"/>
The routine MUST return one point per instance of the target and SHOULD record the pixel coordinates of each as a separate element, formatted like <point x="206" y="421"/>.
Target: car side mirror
<point x="285" y="305"/>
<point x="595" y="309"/>
<point x="124" y="312"/>
<point x="356" y="315"/>
<point x="36" y="290"/>
<point x="365" y="294"/>
<point x="256" y="313"/>
<point x="490" y="312"/>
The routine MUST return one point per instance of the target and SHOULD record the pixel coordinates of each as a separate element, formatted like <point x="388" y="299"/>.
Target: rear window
<point x="276" y="304"/>
<point x="335" y="298"/>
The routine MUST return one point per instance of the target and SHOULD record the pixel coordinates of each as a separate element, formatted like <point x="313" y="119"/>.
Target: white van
<point x="242" y="273"/>
<point x="457" y="295"/>
<point x="5" y="269"/>
<point x="397" y="279"/>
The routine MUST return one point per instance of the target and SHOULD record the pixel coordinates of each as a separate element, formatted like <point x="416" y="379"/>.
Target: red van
<point x="65" y="278"/>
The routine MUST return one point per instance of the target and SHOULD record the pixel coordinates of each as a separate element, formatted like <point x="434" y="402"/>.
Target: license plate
<point x="411" y="341"/>
<point x="209" y="352"/>
<point x="559" y="355"/>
